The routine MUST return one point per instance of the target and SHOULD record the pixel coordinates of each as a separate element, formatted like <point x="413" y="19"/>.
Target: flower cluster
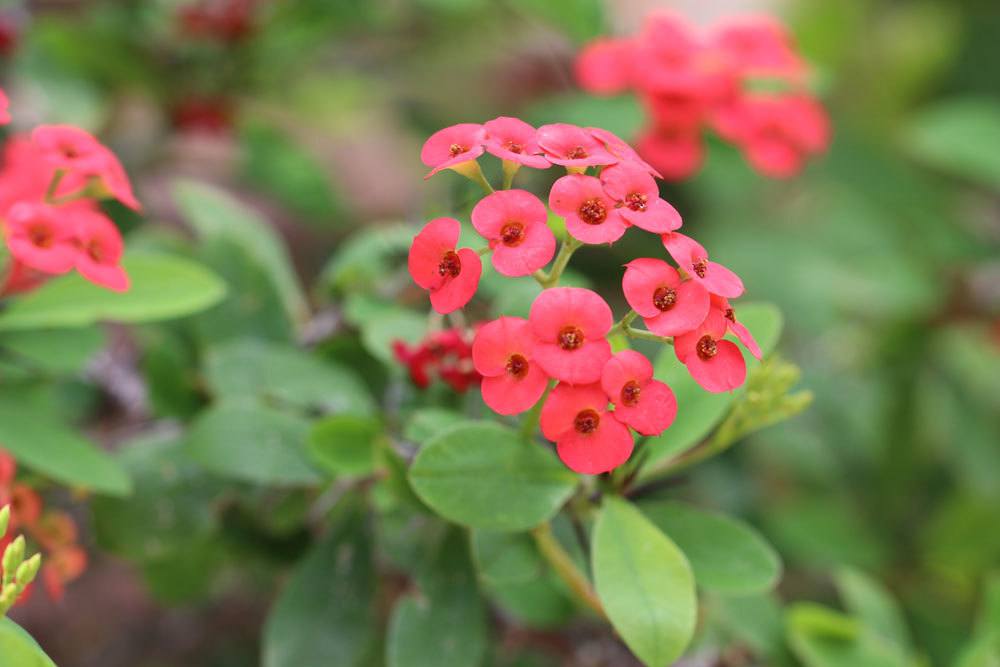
<point x="688" y="80"/>
<point x="53" y="531"/>
<point x="596" y="396"/>
<point x="446" y="355"/>
<point x="51" y="182"/>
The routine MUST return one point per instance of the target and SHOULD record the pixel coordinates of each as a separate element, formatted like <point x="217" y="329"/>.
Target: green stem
<point x="566" y="250"/>
<point x="510" y="168"/>
<point x="625" y="321"/>
<point x="485" y="250"/>
<point x="642" y="334"/>
<point x="564" y="566"/>
<point x="475" y="174"/>
<point x="50" y="192"/>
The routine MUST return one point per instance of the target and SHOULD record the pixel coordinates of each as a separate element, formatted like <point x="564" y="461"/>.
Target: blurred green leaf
<point x="951" y="136"/>
<point x="622" y="114"/>
<point x="425" y="423"/>
<point x="36" y="437"/>
<point x="61" y="351"/>
<point x="163" y="287"/>
<point x="644" y="583"/>
<point x="214" y="214"/>
<point x="873" y="606"/>
<point x="444" y="622"/>
<point x="253" y="443"/>
<point x="821" y="637"/>
<point x="483" y="475"/>
<point x="284" y="377"/>
<point x="19" y="649"/>
<point x="727" y="555"/>
<point x="345" y="444"/>
<point x="326" y="614"/>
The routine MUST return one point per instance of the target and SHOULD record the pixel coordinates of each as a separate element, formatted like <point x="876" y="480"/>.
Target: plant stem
<point x="509" y="170"/>
<point x="50" y="192"/>
<point x="625" y="321"/>
<point x="642" y="334"/>
<point x="566" y="250"/>
<point x="564" y="566"/>
<point x="475" y="174"/>
<point x="530" y="422"/>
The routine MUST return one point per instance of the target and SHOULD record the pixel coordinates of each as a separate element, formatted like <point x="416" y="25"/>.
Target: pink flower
<point x="516" y="224"/>
<point x="677" y="152"/>
<point x="645" y="404"/>
<point x="501" y="352"/>
<point x="116" y="182"/>
<point x="40" y="238"/>
<point x="722" y="305"/>
<point x="453" y="146"/>
<point x="514" y="140"/>
<point x="715" y="364"/>
<point x="569" y="325"/>
<point x="70" y="148"/>
<point x="778" y="134"/>
<point x="638" y="198"/>
<point x="668" y="305"/>
<point x="589" y="440"/>
<point x="620" y="148"/>
<point x="758" y="46"/>
<point x="451" y="276"/>
<point x="4" y="108"/>
<point x="572" y="146"/>
<point x="693" y="258"/>
<point x="667" y="48"/>
<point x="604" y="67"/>
<point x="100" y="250"/>
<point x="589" y="212"/>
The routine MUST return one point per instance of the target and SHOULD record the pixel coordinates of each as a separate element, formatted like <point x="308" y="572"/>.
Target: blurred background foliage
<point x="883" y="257"/>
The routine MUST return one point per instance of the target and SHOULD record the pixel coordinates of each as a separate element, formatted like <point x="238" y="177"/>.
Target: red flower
<point x="778" y="134"/>
<point x="39" y="238"/>
<point x="4" y="108"/>
<point x="453" y="146"/>
<point x="514" y="140"/>
<point x="677" y="152"/>
<point x="569" y="325"/>
<point x="451" y="276"/>
<point x="758" y="46"/>
<point x="516" y="224"/>
<point x="100" y="250"/>
<point x="668" y="305"/>
<point x="715" y="364"/>
<point x="604" y="66"/>
<point x="70" y="148"/>
<point x="590" y="214"/>
<point x="502" y="353"/>
<point x="444" y="354"/>
<point x="645" y="404"/>
<point x="588" y="438"/>
<point x="638" y="198"/>
<point x="743" y="334"/>
<point x="620" y="148"/>
<point x="572" y="146"/>
<point x="693" y="258"/>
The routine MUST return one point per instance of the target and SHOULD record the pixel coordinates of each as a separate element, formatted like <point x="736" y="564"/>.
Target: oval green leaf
<point x="35" y="437"/>
<point x="644" y="582"/>
<point x="19" y="649"/>
<point x="163" y="287"/>
<point x="345" y="444"/>
<point x="484" y="475"/>
<point x="253" y="443"/>
<point x="727" y="555"/>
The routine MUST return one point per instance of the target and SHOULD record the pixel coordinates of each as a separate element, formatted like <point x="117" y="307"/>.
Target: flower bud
<point x="8" y="595"/>
<point x="4" y="519"/>
<point x="27" y="571"/>
<point x="12" y="558"/>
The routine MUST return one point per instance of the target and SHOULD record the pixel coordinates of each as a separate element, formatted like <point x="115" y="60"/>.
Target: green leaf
<point x="873" y="606"/>
<point x="699" y="411"/>
<point x="428" y="422"/>
<point x="60" y="351"/>
<point x="444" y="623"/>
<point x="727" y="555"/>
<point x="253" y="443"/>
<point x="35" y="437"/>
<point x="644" y="582"/>
<point x="326" y="614"/>
<point x="821" y="637"/>
<point x="163" y="287"/>
<point x="484" y="475"/>
<point x="345" y="444"/>
<point x="214" y="214"/>
<point x="951" y="136"/>
<point x="19" y="649"/>
<point x="285" y="376"/>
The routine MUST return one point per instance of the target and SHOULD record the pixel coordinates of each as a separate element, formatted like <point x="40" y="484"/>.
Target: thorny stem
<point x="564" y="566"/>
